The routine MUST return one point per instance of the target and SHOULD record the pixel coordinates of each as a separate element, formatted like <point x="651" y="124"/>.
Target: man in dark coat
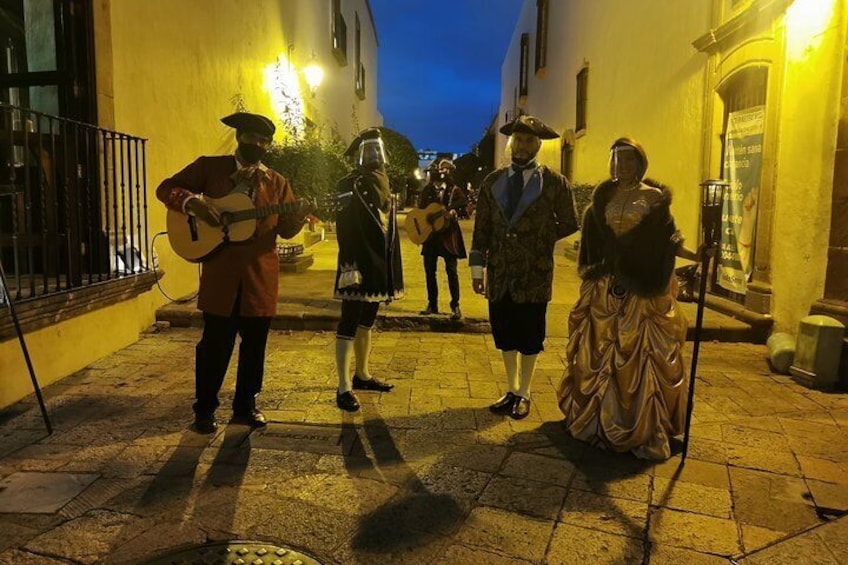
<point x="369" y="265"/>
<point x="522" y="210"/>
<point x="238" y="284"/>
<point x="447" y="243"/>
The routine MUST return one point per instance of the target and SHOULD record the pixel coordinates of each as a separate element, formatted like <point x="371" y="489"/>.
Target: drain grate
<point x="235" y="553"/>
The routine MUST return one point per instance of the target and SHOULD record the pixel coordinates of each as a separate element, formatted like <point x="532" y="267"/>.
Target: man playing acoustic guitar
<point x="238" y="283"/>
<point x="447" y="243"/>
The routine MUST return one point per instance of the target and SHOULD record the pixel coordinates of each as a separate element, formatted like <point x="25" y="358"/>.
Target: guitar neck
<point x="264" y="211"/>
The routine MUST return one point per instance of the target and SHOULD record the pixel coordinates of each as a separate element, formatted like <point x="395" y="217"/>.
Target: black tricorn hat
<point x="442" y="164"/>
<point x="255" y="123"/>
<point x="531" y="125"/>
<point x="369" y="133"/>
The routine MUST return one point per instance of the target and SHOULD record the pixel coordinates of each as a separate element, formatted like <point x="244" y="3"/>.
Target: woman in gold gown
<point x="625" y="385"/>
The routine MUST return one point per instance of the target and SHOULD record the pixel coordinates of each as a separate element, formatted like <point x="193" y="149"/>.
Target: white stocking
<point x="528" y="367"/>
<point x="344" y="351"/>
<point x="510" y="359"/>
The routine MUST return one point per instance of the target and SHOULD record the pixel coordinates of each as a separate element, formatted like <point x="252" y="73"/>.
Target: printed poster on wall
<point x="743" y="159"/>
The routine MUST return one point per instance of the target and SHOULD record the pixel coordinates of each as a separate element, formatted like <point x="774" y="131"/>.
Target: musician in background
<point x="369" y="265"/>
<point x="238" y="284"/>
<point x="447" y="243"/>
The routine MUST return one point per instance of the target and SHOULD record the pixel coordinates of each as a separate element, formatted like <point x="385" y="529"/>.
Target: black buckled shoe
<point x="254" y="419"/>
<point x="371" y="384"/>
<point x="520" y="408"/>
<point x="503" y="404"/>
<point x="205" y="424"/>
<point x="429" y="311"/>
<point x="347" y="401"/>
<point x="456" y="313"/>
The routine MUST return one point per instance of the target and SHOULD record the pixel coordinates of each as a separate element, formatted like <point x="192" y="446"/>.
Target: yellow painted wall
<point x="646" y="80"/>
<point x="168" y="70"/>
<point x="178" y="66"/>
<point x="336" y="107"/>
<point x="809" y="116"/>
<point x="636" y="88"/>
<point x="59" y="350"/>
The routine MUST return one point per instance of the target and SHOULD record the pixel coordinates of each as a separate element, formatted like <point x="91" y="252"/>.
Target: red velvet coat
<point x="253" y="265"/>
<point x="449" y="242"/>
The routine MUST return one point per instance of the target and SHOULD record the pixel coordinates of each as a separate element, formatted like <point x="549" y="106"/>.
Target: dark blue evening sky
<point x="440" y="67"/>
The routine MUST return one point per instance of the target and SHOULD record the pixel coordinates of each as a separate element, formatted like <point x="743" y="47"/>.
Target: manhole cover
<point x="235" y="553"/>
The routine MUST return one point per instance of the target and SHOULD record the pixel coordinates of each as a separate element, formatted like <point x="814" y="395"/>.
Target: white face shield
<point x="372" y="153"/>
<point x="624" y="162"/>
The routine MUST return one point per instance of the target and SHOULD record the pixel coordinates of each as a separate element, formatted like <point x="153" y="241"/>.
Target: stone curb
<point x="328" y="322"/>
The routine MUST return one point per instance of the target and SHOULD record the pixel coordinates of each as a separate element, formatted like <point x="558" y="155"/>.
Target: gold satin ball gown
<point x="625" y="385"/>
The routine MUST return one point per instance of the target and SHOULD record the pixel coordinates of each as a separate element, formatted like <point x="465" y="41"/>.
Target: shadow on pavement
<point x="409" y="520"/>
<point x="613" y="477"/>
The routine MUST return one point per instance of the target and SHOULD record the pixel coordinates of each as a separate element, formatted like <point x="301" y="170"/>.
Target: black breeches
<point x="518" y="327"/>
<point x="356" y="314"/>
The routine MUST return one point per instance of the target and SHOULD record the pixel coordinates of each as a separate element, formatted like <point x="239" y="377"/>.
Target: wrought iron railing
<point x="73" y="203"/>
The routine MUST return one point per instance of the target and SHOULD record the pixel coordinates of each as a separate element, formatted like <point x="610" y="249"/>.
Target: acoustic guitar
<point x="194" y="240"/>
<point x="421" y="223"/>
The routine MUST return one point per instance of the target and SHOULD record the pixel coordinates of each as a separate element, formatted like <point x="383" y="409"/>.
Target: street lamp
<point x="712" y="202"/>
<point x="314" y="75"/>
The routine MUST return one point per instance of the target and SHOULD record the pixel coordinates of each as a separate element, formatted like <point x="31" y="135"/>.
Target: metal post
<point x="699" y="322"/>
<point x="712" y="201"/>
<point x="24" y="349"/>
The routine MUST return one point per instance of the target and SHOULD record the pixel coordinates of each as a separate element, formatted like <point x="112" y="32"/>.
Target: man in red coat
<point x="238" y="283"/>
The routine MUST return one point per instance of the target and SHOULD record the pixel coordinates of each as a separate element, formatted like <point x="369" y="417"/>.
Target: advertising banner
<point x="743" y="152"/>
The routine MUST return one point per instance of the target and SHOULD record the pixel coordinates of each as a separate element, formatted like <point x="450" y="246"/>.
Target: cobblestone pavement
<point x="422" y="474"/>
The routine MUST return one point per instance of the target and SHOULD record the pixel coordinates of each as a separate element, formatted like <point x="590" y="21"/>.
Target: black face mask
<point x="373" y="166"/>
<point x="251" y="153"/>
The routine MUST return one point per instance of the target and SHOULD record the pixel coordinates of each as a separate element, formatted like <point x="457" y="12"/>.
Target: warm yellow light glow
<point x="806" y="22"/>
<point x="281" y="82"/>
<point x="417" y="173"/>
<point x="314" y="74"/>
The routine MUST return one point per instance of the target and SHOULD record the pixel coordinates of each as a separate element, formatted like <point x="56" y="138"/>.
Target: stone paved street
<point x="423" y="473"/>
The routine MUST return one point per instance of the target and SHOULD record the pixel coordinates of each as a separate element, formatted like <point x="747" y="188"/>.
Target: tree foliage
<point x="582" y="196"/>
<point x="402" y="156"/>
<point x="470" y="169"/>
<point x="312" y="165"/>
